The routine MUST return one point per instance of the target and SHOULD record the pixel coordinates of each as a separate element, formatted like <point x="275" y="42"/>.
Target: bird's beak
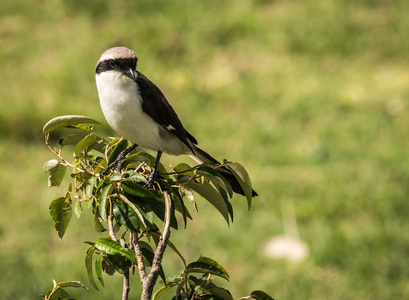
<point x="131" y="73"/>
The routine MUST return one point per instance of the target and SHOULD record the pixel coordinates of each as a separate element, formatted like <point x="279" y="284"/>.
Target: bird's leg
<point x="118" y="161"/>
<point x="152" y="177"/>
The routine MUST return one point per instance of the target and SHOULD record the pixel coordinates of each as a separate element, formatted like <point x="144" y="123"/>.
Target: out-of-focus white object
<point x="287" y="247"/>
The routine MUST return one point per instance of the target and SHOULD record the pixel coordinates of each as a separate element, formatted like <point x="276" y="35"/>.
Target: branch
<point x="165" y="235"/>
<point x="47" y="137"/>
<point x="110" y="223"/>
<point x="125" y="286"/>
<point x="139" y="257"/>
<point x="149" y="282"/>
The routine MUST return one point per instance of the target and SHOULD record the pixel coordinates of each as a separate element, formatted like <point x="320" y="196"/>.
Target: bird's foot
<point x="112" y="165"/>
<point x="119" y="160"/>
<point x="151" y="179"/>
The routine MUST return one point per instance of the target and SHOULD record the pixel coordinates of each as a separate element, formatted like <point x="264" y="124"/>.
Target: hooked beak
<point x="131" y="73"/>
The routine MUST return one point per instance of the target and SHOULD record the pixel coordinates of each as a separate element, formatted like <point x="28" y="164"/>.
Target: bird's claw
<point x="151" y="179"/>
<point x="119" y="160"/>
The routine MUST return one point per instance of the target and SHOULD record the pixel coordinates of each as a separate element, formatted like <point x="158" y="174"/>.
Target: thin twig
<point x="63" y="159"/>
<point x="110" y="222"/>
<point x="140" y="166"/>
<point x="172" y="172"/>
<point x="149" y="282"/>
<point x="186" y="181"/>
<point x="55" y="152"/>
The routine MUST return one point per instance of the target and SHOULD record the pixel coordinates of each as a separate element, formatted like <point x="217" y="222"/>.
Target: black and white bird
<point x="138" y="111"/>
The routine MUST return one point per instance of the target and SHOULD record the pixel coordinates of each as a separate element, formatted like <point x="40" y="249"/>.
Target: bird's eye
<point x="112" y="63"/>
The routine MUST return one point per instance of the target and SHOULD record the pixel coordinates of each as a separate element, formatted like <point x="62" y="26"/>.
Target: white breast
<point x="122" y="107"/>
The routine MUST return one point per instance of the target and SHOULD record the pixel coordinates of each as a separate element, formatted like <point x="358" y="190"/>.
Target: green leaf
<point x="81" y="176"/>
<point x="111" y="247"/>
<point x="98" y="269"/>
<point x="136" y="189"/>
<point x="120" y="263"/>
<point x="223" y="187"/>
<point x="260" y="295"/>
<point x="103" y="201"/>
<point x="77" y="209"/>
<point x="72" y="139"/>
<point x="58" y="294"/>
<point x="220" y="292"/>
<point x="197" y="283"/>
<point x="121" y="146"/>
<point x="213" y="263"/>
<point x="163" y="290"/>
<point x="88" y="266"/>
<point x="210" y="194"/>
<point x="61" y="212"/>
<point x="116" y="177"/>
<point x="88" y="202"/>
<point x="243" y="178"/>
<point x="100" y="146"/>
<point x="74" y="284"/>
<point x="134" y="176"/>
<point x="145" y="245"/>
<point x="97" y="222"/>
<point x="90" y="186"/>
<point x="205" y="268"/>
<point x="56" y="170"/>
<point x="180" y="205"/>
<point x="217" y="178"/>
<point x="126" y="216"/>
<point x="100" y="184"/>
<point x="143" y="212"/>
<point x="157" y="205"/>
<point x="107" y="265"/>
<point x="67" y="121"/>
<point x="183" y="169"/>
<point x="85" y="143"/>
<point x="142" y="156"/>
<point x="146" y="215"/>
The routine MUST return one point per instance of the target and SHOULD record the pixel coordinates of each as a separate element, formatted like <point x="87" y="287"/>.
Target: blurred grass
<point x="311" y="96"/>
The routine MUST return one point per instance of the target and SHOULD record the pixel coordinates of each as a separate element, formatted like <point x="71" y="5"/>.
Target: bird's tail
<point x="201" y="156"/>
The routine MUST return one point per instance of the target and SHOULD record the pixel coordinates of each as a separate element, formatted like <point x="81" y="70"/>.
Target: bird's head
<point x="119" y="60"/>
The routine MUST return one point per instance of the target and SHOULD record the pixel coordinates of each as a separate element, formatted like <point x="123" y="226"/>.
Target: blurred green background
<point x="310" y="96"/>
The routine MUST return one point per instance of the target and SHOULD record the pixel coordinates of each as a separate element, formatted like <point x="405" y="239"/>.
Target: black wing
<point x="155" y="104"/>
